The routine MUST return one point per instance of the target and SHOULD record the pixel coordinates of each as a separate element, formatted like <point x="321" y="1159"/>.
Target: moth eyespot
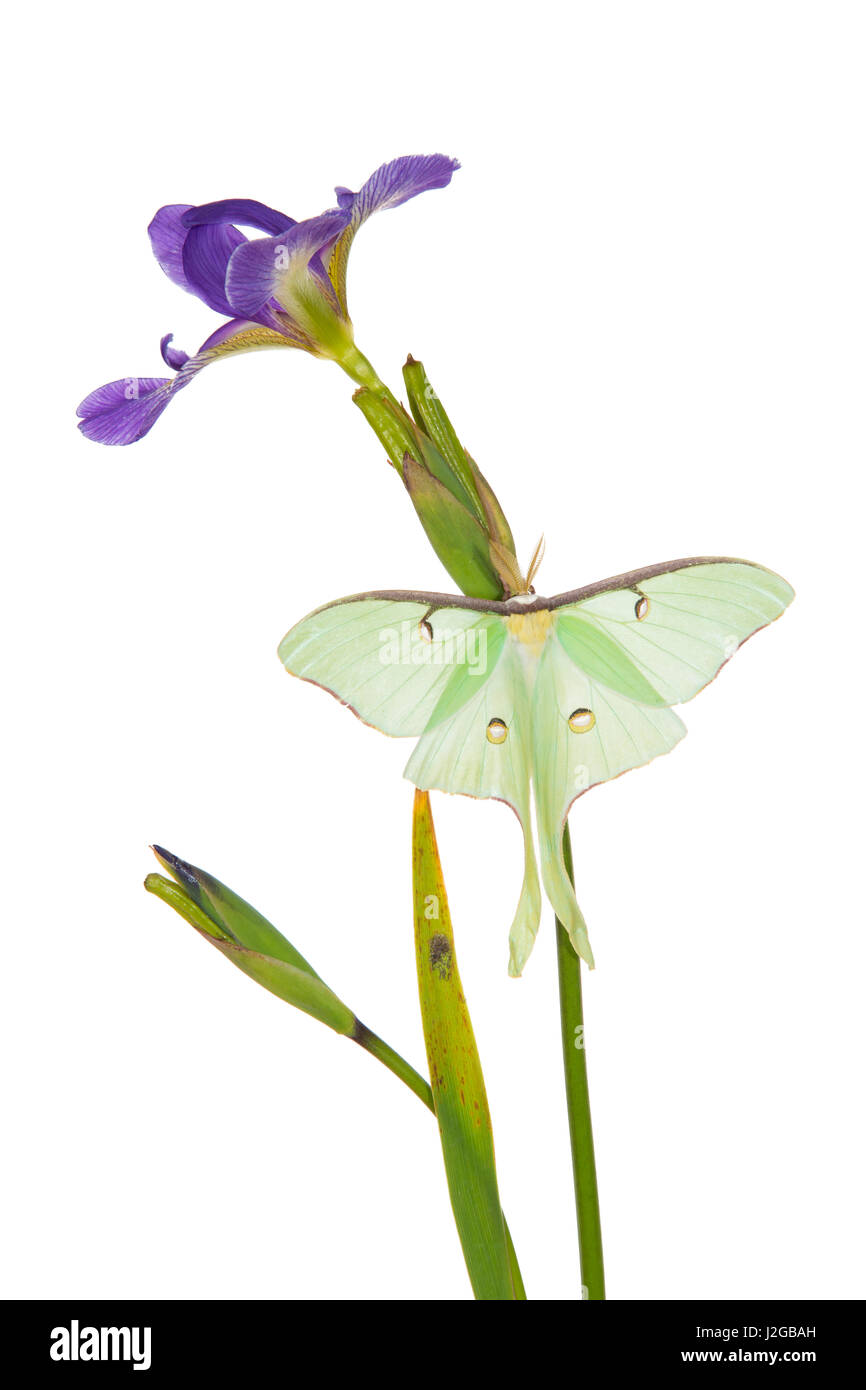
<point x="497" y="731"/>
<point x="425" y="631"/>
<point x="580" y="721"/>
<point x="641" y="608"/>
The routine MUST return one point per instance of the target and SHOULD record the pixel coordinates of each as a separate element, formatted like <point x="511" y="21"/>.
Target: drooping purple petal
<point x="167" y="234"/>
<point x="397" y="182"/>
<point x="245" y="212"/>
<point x="258" y="269"/>
<point x="123" y="411"/>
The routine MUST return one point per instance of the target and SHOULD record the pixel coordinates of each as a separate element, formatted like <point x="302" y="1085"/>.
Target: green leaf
<point x="431" y="417"/>
<point x="399" y="435"/>
<point x="497" y="521"/>
<point x="458" y="539"/>
<point x="462" y="518"/>
<point x="431" y="456"/>
<point x="390" y="423"/>
<point x="459" y="1096"/>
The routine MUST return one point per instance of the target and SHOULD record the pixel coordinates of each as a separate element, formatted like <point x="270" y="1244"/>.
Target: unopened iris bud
<point x="249" y="941"/>
<point x="456" y="505"/>
<point x="432" y="418"/>
<point x="455" y="534"/>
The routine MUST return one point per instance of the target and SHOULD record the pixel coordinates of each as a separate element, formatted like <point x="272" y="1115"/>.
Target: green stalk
<point x="577" y="1096"/>
<point x="361" y="370"/>
<point x="384" y="1053"/>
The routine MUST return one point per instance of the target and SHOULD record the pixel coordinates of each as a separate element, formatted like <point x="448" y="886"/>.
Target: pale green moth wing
<point x="385" y="659"/>
<point x="654" y="636"/>
<point x="483" y="749"/>
<point x="406" y="666"/>
<point x="665" y="636"/>
<point x="566" y="692"/>
<point x="583" y="733"/>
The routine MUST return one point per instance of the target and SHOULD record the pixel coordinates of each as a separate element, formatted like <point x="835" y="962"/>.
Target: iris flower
<point x="285" y="289"/>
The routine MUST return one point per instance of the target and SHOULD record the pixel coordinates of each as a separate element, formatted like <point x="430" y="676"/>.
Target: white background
<point x="642" y="302"/>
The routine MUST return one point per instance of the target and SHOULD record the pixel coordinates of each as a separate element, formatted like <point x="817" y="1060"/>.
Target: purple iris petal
<point x="167" y="236"/>
<point x="123" y="411"/>
<point x="193" y="244"/>
<point x="245" y="211"/>
<point x="172" y="357"/>
<point x="256" y="269"/>
<point x="202" y="250"/>
<point x="394" y="183"/>
<point x="223" y="333"/>
<point x="206" y="254"/>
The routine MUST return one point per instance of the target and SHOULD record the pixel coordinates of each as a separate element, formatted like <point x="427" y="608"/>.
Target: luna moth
<point x="556" y="694"/>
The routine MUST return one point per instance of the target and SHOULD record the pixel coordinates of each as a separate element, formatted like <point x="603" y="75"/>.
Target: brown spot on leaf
<point x="441" y="956"/>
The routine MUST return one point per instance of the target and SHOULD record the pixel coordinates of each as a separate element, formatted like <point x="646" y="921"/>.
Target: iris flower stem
<point x="577" y="1098"/>
<point x="362" y="371"/>
<point x="378" y="1048"/>
<point x="384" y="1053"/>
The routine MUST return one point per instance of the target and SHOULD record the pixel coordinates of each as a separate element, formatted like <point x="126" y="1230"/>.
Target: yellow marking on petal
<point x="338" y="263"/>
<point x="248" y="340"/>
<point x="324" y="324"/>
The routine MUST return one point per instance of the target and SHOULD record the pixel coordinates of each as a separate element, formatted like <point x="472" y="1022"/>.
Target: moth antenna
<point x="535" y="562"/>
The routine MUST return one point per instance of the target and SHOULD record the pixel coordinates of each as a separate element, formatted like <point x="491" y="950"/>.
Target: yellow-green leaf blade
<point x="459" y="1095"/>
